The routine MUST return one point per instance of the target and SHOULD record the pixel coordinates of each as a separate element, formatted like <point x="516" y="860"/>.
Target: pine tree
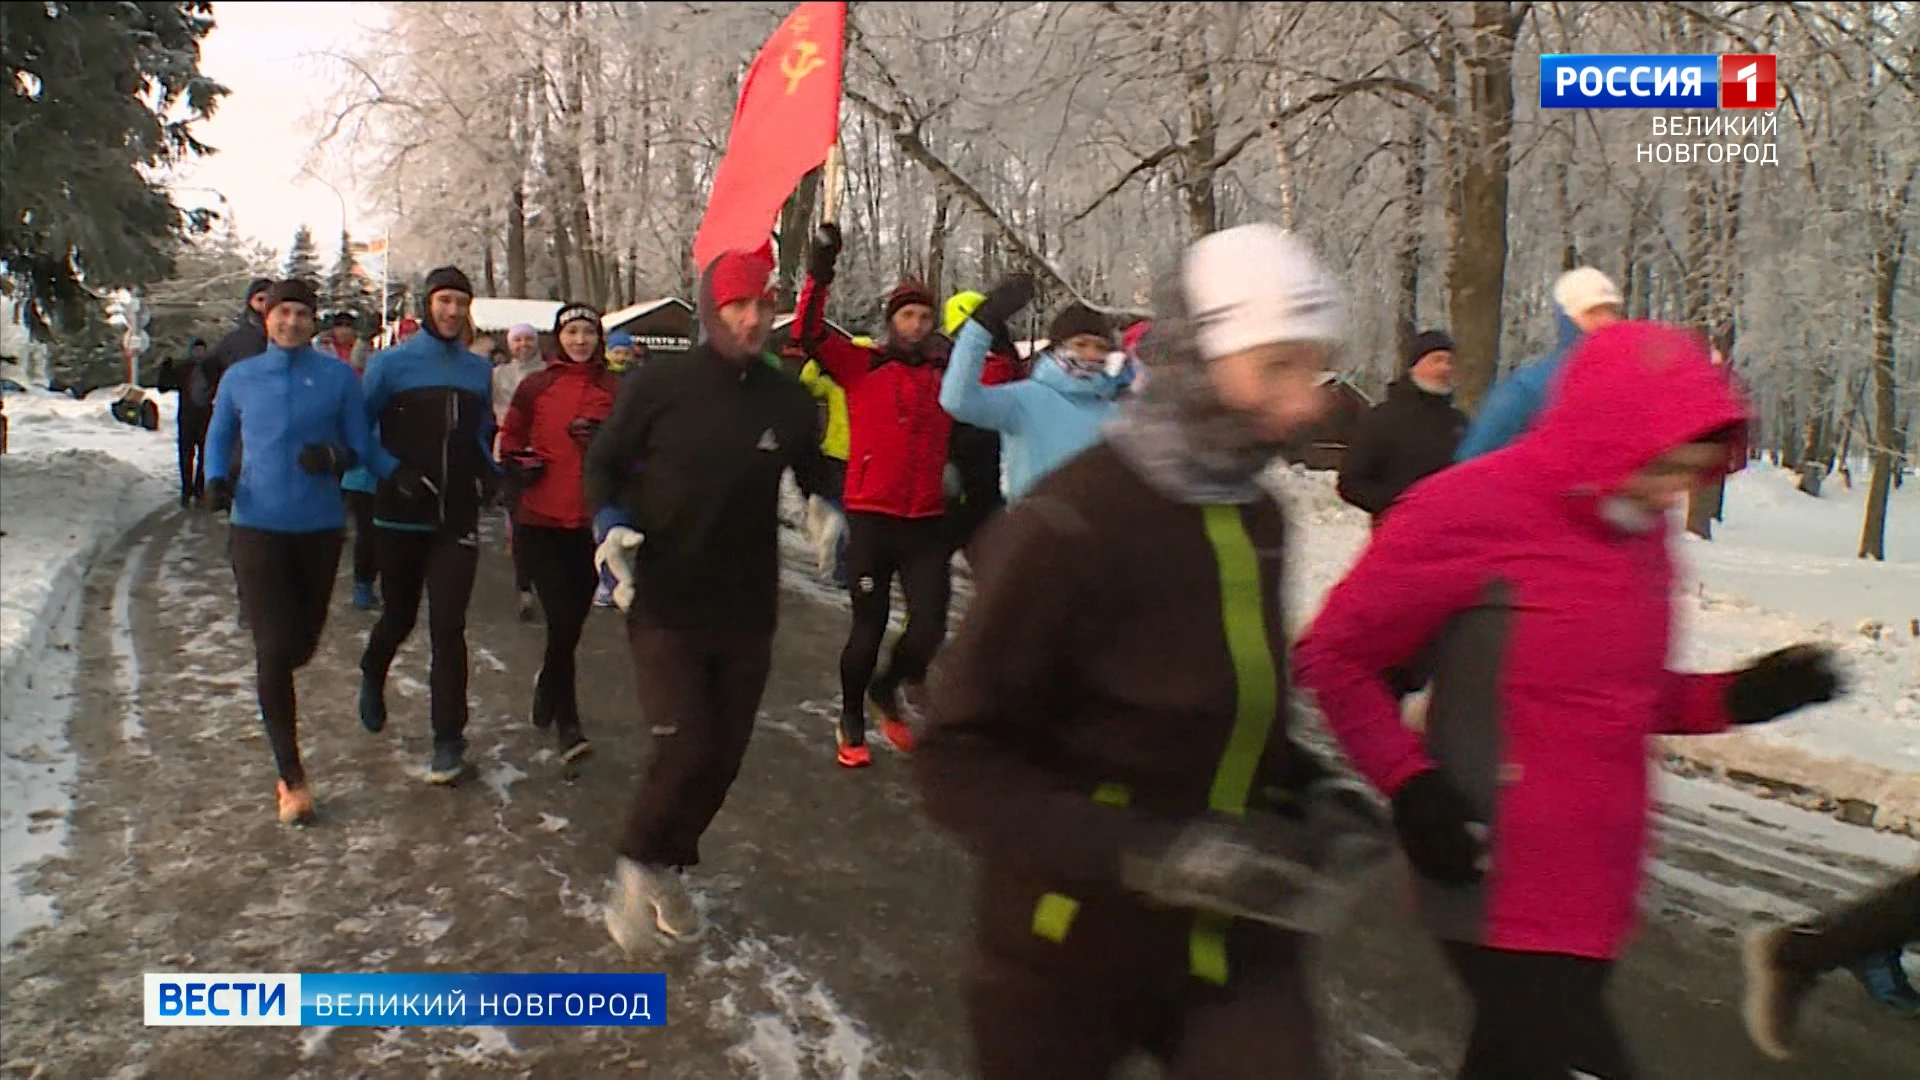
<point x="82" y="209"/>
<point x="348" y="288"/>
<point x="303" y="261"/>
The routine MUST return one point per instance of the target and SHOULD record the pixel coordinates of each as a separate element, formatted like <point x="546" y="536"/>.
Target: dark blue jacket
<point x="274" y="404"/>
<point x="431" y="405"/>
<point x="1517" y="399"/>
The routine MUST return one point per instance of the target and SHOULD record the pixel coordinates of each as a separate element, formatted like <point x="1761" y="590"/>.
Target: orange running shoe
<point x="296" y="805"/>
<point x="897" y="733"/>
<point x="852" y="756"/>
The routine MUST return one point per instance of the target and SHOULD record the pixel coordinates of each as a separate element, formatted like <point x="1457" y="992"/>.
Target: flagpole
<point x="830" y="210"/>
<point x="386" y="257"/>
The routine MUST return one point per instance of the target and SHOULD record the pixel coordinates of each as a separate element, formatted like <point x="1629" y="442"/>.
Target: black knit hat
<point x="1075" y="319"/>
<point x="295" y="291"/>
<point x="256" y="287"/>
<point x="341" y="318"/>
<point x="448" y="277"/>
<point x="1427" y="342"/>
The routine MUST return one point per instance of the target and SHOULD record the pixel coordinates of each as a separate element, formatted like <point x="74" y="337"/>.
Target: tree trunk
<point x="1413" y="231"/>
<point x="488" y="267"/>
<point x="1887" y="260"/>
<point x="517" y="241"/>
<point x="561" y="253"/>
<point x="1203" y="213"/>
<point x="937" y="243"/>
<point x="1477" y="263"/>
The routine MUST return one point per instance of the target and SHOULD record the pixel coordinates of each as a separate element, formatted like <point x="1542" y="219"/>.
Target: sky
<point x="266" y="55"/>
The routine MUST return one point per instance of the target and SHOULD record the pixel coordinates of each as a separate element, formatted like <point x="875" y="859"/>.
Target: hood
<point x="1567" y="332"/>
<point x="1626" y="395"/>
<point x="1103" y="387"/>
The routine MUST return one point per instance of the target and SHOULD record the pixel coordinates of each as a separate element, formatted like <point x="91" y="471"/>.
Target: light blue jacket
<point x="1514" y="401"/>
<point x="1044" y="420"/>
<point x="277" y="403"/>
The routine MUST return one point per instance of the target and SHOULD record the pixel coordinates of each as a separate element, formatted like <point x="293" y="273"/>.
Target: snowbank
<point x="72" y="483"/>
<point x="1779" y="570"/>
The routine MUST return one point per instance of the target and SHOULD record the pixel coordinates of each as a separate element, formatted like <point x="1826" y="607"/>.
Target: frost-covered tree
<point x="348" y="288"/>
<point x="303" y="261"/>
<point x="99" y="99"/>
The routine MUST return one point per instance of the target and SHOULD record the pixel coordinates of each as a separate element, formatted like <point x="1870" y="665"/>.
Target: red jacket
<point x="897" y="431"/>
<point x="1553" y="631"/>
<point x="544" y="407"/>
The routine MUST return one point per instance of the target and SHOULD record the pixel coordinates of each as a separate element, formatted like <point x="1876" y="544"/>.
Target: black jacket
<point x="246" y="340"/>
<point x="692" y="457"/>
<point x="1404" y="439"/>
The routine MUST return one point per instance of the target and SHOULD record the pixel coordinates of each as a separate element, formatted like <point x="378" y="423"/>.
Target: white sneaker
<point x="646" y="898"/>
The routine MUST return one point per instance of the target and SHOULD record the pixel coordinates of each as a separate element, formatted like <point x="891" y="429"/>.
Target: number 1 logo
<point x="1747" y="81"/>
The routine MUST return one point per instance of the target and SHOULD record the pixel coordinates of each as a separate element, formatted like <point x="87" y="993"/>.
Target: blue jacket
<point x="1045" y="420"/>
<point x="276" y="403"/>
<point x="1514" y="401"/>
<point x="430" y="403"/>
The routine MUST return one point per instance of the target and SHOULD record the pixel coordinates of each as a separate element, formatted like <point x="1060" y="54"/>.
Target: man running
<point x="431" y="401"/>
<point x="896" y="496"/>
<point x="687" y="472"/>
<point x="299" y="416"/>
<point x="193" y="380"/>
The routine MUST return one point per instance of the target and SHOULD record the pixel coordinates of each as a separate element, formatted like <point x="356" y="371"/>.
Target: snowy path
<point x="839" y="919"/>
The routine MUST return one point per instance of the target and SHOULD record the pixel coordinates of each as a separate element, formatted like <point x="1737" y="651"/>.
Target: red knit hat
<point x="740" y="275"/>
<point x="908" y="292"/>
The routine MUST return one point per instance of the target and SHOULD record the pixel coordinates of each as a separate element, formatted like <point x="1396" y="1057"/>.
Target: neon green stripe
<point x="1053" y="916"/>
<point x="1244" y="617"/>
<point x="1207" y="947"/>
<point x="1257" y="693"/>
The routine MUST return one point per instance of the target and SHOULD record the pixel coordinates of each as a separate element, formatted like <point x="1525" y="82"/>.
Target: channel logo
<point x="1641" y="81"/>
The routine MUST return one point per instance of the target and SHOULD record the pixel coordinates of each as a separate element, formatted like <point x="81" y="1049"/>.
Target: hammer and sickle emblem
<point x="800" y="60"/>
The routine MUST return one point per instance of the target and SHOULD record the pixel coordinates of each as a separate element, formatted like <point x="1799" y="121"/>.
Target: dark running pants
<point x="366" y="565"/>
<point x="286" y="583"/>
<point x="879" y="547"/>
<point x="700" y="692"/>
<point x="1032" y="1025"/>
<point x="522" y="576"/>
<point x="442" y="567"/>
<point x="1538" y="1016"/>
<point x="1875" y="925"/>
<point x="560" y="564"/>
<point x="191" y="433"/>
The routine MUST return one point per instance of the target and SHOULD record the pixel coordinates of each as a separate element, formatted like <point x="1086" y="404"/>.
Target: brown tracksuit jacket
<point x="1122" y="667"/>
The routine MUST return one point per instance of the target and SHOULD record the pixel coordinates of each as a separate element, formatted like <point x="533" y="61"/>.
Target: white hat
<point x="1255" y="285"/>
<point x="1584" y="289"/>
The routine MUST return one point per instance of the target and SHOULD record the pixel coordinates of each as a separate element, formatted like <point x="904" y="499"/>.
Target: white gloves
<point x="615" y="555"/>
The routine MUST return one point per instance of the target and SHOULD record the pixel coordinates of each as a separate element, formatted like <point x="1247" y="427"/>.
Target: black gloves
<point x="582" y="430"/>
<point x="1782" y="681"/>
<point x="1438" y="829"/>
<point x="824" y="252"/>
<point x="523" y="467"/>
<point x="220" y="495"/>
<point x="1003" y="303"/>
<point x="324" y="459"/>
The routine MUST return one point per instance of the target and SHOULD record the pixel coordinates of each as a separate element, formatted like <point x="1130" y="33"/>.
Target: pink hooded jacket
<point x="1546" y="631"/>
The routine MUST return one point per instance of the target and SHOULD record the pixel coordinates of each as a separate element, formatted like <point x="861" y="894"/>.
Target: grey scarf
<point x="1175" y="431"/>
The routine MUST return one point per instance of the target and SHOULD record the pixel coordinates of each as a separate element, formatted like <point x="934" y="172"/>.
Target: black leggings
<point x="286" y="580"/>
<point x="442" y="566"/>
<point x="560" y="563"/>
<point x="878" y="548"/>
<point x="366" y="565"/>
<point x="192" y="435"/>
<point x="1538" y="1016"/>
<point x="1874" y="925"/>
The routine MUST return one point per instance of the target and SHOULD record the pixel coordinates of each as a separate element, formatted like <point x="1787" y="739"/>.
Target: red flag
<point x="788" y="117"/>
